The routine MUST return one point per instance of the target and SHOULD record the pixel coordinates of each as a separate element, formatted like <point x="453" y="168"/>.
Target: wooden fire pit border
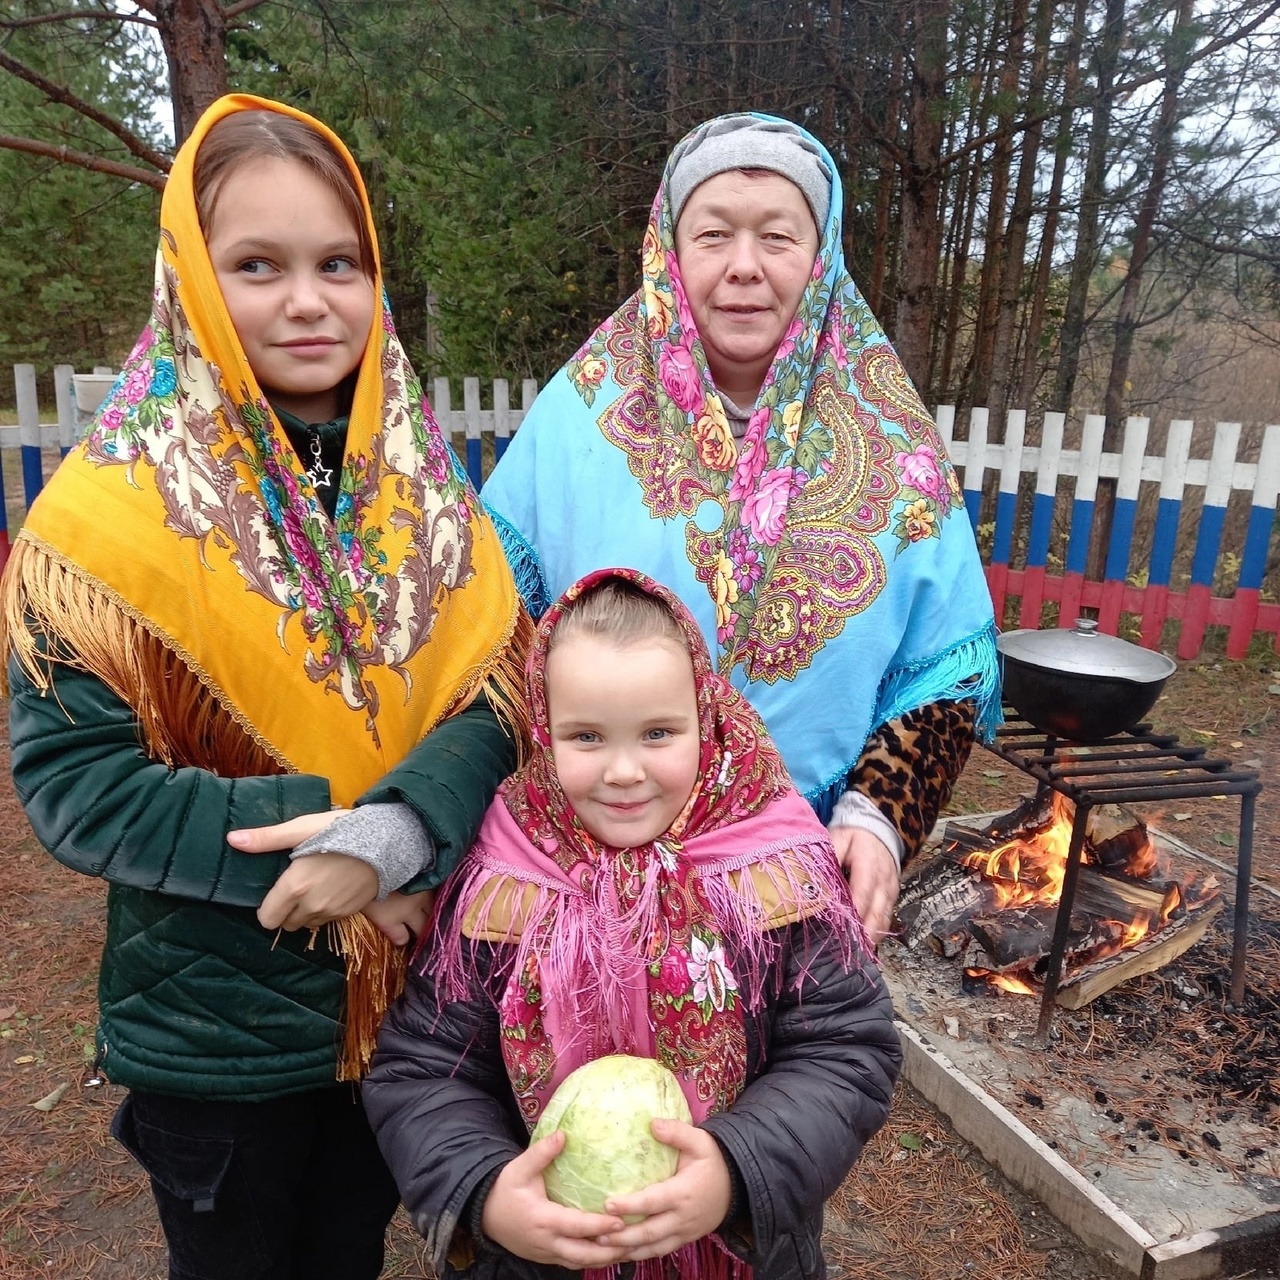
<point x="1031" y="1164"/>
<point x="1092" y="1217"/>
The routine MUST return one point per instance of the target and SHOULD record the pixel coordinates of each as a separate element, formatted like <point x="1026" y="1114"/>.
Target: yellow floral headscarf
<point x="181" y="555"/>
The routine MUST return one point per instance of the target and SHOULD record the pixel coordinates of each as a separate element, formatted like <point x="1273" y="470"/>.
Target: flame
<point x="1005" y="981"/>
<point x="1029" y="871"/>
<point x="1136" y="929"/>
<point x="1146" y="862"/>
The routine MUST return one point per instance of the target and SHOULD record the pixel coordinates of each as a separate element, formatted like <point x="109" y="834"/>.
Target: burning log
<point x="1021" y="936"/>
<point x="934" y="903"/>
<point x="1032" y="813"/>
<point x="1120" y="841"/>
<point x="1113" y="898"/>
<point x="1152" y="953"/>
<point x="991" y="899"/>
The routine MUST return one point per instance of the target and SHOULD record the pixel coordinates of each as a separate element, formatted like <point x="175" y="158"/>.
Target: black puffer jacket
<point x="822" y="1059"/>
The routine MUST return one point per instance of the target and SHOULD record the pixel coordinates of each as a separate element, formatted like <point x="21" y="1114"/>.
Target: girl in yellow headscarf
<point x="259" y="632"/>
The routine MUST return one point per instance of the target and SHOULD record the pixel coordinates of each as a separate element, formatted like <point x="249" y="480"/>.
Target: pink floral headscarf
<point x="657" y="950"/>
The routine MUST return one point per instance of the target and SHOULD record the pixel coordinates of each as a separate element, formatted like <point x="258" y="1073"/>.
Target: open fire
<point x="990" y="901"/>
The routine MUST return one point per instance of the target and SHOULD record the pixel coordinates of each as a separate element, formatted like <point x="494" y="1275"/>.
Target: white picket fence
<point x="1191" y="543"/>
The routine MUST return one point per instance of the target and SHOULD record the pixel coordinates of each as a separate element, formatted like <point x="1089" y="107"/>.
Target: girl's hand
<point x="311" y="891"/>
<point x="690" y="1204"/>
<point x="402" y="916"/>
<point x="519" y="1217"/>
<point x="316" y="889"/>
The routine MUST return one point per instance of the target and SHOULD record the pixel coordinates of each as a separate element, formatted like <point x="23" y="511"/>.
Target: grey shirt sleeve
<point x="389" y="837"/>
<point x="853" y="809"/>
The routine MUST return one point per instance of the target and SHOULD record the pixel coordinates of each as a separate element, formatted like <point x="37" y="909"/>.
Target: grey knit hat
<point x="745" y="141"/>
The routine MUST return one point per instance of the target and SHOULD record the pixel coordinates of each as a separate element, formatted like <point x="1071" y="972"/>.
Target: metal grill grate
<point x="1129" y="768"/>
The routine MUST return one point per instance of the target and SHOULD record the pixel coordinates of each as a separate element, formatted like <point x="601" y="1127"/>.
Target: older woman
<point x="741" y="430"/>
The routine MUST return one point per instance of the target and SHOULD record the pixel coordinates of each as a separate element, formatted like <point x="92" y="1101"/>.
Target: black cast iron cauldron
<point x="1079" y="683"/>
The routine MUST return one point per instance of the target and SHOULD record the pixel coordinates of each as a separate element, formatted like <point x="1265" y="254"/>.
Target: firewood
<point x="1019" y="938"/>
<point x="956" y="895"/>
<point x="1152" y="953"/>
<point x="1031" y="814"/>
<point x="1116" y="898"/>
<point x="1119" y="839"/>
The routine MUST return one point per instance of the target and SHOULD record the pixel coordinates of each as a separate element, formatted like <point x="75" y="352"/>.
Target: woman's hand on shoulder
<point x="873" y="875"/>
<point x="311" y="891"/>
<point x="518" y="1216"/>
<point x="692" y="1203"/>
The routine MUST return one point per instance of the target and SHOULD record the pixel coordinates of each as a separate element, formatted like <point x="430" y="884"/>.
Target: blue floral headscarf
<point x="826" y="556"/>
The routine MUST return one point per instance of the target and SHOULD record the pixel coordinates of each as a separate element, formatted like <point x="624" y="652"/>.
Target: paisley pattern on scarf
<point x="654" y="950"/>
<point x="826" y="556"/>
<point x="335" y="644"/>
<point x="335" y="578"/>
<point x="821" y="471"/>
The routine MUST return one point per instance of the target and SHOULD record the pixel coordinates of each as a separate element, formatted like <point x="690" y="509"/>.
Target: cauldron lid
<point x="1084" y="650"/>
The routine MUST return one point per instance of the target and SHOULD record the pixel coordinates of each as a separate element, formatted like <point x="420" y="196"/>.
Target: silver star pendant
<point x="321" y="477"/>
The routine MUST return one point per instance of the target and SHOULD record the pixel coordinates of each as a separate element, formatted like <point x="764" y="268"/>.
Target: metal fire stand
<point x="1133" y="767"/>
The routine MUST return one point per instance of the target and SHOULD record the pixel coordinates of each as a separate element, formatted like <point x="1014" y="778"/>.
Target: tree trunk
<point x="194" y="36"/>
<point x="921" y="191"/>
<point x="1053" y="209"/>
<point x="1015" y="247"/>
<point x="959" y="236"/>
<point x="835" y="10"/>
<point x="884" y="190"/>
<point x="673" y="74"/>
<point x="995" y="254"/>
<point x="1181" y="41"/>
<point x="1092" y="194"/>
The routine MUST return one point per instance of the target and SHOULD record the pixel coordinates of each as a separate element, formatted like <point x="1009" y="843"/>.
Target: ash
<point x="1162" y="1077"/>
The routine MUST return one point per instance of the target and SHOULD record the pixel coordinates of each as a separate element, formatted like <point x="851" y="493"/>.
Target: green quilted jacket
<point x="195" y="997"/>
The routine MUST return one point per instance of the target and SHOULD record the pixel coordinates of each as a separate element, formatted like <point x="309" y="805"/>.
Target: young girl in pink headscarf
<point x="648" y="883"/>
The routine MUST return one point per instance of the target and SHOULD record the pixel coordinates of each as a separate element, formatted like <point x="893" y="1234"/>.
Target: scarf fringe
<point x="375" y="977"/>
<point x="589" y="958"/>
<point x="526" y="568"/>
<point x="705" y="1259"/>
<point x="51" y="614"/>
<point x="376" y="968"/>
<point x="504" y="685"/>
<point x="968" y="669"/>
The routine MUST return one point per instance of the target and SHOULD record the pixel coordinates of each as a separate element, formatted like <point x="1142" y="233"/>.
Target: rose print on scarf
<point x="765" y="510"/>
<point x="671" y="975"/>
<point x="922" y="471"/>
<point x="816" y="435"/>
<point x="680" y="377"/>
<point x="140" y="404"/>
<point x="753" y="458"/>
<point x="659" y="305"/>
<point x="712" y="437"/>
<point x="930" y="488"/>
<point x="725" y="592"/>
<point x="590" y="366"/>
<point x="918" y="521"/>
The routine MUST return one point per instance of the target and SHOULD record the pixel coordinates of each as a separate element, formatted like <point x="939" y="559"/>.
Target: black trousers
<point x="291" y="1189"/>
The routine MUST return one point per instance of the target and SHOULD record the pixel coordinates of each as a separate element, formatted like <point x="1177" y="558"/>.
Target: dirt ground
<point x="919" y="1206"/>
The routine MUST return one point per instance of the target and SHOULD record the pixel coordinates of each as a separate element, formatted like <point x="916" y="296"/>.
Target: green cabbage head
<point x="604" y="1108"/>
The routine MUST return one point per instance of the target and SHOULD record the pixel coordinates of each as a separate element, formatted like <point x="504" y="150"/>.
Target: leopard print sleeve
<point x="910" y="764"/>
